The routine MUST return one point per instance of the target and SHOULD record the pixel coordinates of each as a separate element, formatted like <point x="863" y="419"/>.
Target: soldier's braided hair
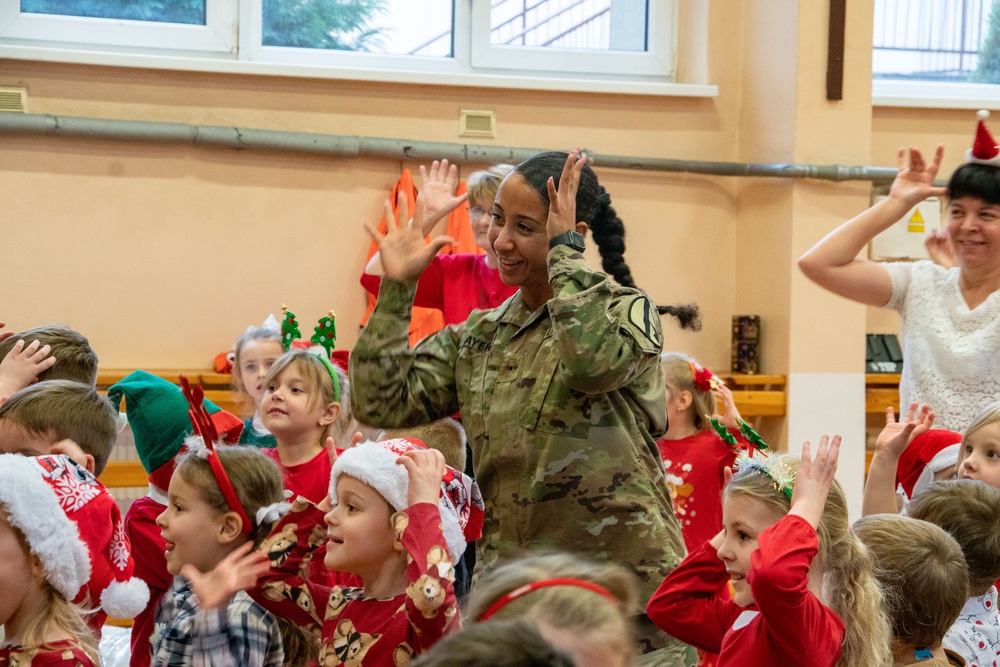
<point x="593" y="206"/>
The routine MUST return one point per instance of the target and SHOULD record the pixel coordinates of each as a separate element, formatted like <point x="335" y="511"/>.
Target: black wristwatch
<point x="572" y="238"/>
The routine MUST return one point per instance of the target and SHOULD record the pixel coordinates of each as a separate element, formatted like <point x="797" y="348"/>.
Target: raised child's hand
<point x="897" y="435"/>
<point x="424" y="467"/>
<point x="402" y="249"/>
<point x="23" y="364"/>
<point x="725" y="407"/>
<point x="234" y="573"/>
<point x="813" y="481"/>
<point x="437" y="189"/>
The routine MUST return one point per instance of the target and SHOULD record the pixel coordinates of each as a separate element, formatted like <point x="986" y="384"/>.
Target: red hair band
<point x="204" y="427"/>
<point x="544" y="583"/>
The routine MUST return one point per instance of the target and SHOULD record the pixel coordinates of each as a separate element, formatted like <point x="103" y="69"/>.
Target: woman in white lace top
<point x="950" y="316"/>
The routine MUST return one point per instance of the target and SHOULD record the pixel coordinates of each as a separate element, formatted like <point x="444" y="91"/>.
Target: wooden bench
<point x="758" y="395"/>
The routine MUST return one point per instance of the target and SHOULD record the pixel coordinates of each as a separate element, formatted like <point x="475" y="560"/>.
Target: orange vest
<point x="426" y="321"/>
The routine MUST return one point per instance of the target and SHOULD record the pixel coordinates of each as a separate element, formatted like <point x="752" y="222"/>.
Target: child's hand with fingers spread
<point x="424" y="467"/>
<point x="437" y="188"/>
<point x="813" y="481"/>
<point x="234" y="573"/>
<point x="895" y="437"/>
<point x="23" y="364"/>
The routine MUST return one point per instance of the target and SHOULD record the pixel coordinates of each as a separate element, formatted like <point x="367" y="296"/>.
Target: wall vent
<point x="477" y="124"/>
<point x="14" y="100"/>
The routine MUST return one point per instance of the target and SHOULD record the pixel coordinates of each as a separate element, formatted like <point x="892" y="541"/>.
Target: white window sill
<point x="933" y="95"/>
<point x="552" y="82"/>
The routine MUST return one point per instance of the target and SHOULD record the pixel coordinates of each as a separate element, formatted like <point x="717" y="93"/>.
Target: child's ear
<point x="330" y="414"/>
<point x="35" y="565"/>
<point x="230" y="528"/>
<point x="684" y="400"/>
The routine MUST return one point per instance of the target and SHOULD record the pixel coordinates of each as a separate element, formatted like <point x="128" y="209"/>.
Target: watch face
<point x="571" y="238"/>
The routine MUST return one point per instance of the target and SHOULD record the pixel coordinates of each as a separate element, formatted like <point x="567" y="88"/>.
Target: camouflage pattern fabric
<point x="562" y="407"/>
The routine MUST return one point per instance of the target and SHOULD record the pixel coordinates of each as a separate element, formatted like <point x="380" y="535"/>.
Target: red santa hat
<point x="32" y="506"/>
<point x="374" y="463"/>
<point x="984" y="149"/>
<point x="927" y="454"/>
<point x="92" y="508"/>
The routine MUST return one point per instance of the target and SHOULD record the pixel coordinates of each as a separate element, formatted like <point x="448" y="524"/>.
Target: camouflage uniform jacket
<point x="561" y="407"/>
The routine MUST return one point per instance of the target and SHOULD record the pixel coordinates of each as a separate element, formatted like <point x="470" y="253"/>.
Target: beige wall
<point x="163" y="254"/>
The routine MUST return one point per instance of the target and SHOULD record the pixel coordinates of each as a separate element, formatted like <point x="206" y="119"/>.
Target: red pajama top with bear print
<point x="788" y="625"/>
<point x="359" y="631"/>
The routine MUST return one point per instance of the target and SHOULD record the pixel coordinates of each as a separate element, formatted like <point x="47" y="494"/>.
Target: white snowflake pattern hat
<point x="31" y="489"/>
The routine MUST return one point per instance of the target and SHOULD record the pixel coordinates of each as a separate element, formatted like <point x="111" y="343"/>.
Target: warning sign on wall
<point x="905" y="239"/>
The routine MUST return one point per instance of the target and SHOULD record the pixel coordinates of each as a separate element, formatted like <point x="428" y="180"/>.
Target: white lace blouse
<point x="951" y="354"/>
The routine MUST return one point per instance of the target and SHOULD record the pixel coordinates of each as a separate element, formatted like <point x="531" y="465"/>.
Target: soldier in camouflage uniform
<point x="560" y="389"/>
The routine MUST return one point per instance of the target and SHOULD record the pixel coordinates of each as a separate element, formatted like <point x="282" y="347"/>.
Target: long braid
<point x="593" y="206"/>
<point x="609" y="234"/>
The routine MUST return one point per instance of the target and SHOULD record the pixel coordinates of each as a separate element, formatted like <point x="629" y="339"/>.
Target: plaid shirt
<point x="243" y="634"/>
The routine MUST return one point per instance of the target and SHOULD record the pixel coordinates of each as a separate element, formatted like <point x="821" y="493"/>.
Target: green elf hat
<point x="158" y="414"/>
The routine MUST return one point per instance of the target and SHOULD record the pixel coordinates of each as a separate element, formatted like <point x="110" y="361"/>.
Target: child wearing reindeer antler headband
<point x="804" y="589"/>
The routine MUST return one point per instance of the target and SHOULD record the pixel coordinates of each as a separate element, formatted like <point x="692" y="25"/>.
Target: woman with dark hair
<point x="950" y="316"/>
<point x="560" y="388"/>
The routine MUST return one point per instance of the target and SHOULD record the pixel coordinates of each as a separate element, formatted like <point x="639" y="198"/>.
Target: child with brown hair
<point x="50" y="352"/>
<point x="221" y="503"/>
<point x="925" y="578"/>
<point x="60" y="417"/>
<point x="969" y="511"/>
<point x="804" y="591"/>
<point x="580" y="606"/>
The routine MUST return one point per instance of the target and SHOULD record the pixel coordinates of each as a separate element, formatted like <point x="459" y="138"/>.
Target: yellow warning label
<point x="916" y="222"/>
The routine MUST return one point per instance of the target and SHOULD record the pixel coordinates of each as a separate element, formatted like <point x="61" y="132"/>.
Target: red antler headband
<point x="204" y="427"/>
<point x="545" y="583"/>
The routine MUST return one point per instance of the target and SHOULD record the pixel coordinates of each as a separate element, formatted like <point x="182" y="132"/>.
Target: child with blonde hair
<point x="979" y="454"/>
<point x="694" y="454"/>
<point x="45" y="563"/>
<point x="925" y="578"/>
<point x="221" y="503"/>
<point x="507" y="643"/>
<point x="580" y="606"/>
<point x="254" y="352"/>
<point x="804" y="589"/>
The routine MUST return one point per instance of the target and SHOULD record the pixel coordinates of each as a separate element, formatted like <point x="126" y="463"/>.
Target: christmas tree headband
<point x="324" y="335"/>
<point x="204" y="427"/>
<point x="754" y="441"/>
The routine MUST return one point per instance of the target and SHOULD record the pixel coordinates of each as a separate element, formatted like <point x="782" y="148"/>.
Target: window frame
<point x="232" y="43"/>
<point x="217" y="36"/>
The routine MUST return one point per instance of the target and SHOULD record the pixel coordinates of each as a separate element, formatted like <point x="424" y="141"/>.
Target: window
<point x="936" y="52"/>
<point x="467" y="42"/>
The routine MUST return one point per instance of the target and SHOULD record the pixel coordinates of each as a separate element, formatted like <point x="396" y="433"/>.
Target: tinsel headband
<point x="781" y="474"/>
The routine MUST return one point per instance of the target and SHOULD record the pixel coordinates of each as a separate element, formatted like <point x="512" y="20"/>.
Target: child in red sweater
<point x="694" y="455"/>
<point x="400" y="518"/>
<point x="789" y="607"/>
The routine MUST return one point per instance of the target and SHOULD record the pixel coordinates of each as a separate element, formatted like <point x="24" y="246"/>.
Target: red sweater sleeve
<point x="282" y="591"/>
<point x="430" y="286"/>
<point x="797" y="622"/>
<point x="431" y="606"/>
<point x="687" y="604"/>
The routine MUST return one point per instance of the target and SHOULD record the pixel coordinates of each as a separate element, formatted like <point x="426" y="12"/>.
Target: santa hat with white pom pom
<point x="74" y="526"/>
<point x="984" y="149"/>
